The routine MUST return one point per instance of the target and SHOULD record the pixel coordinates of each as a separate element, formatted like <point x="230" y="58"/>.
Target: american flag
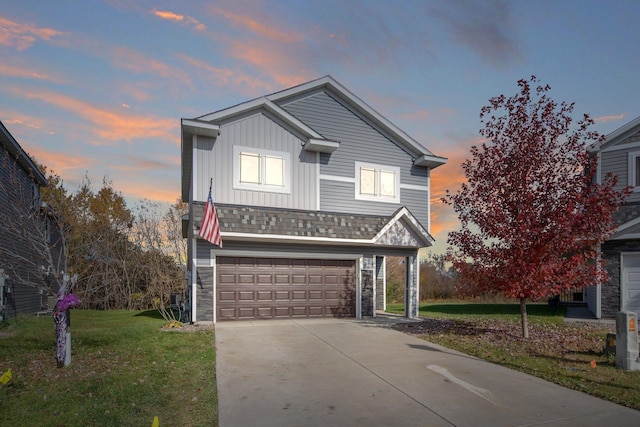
<point x="210" y="227"/>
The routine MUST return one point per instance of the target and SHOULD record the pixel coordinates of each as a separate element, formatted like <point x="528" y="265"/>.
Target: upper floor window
<point x="35" y="195"/>
<point x="377" y="182"/>
<point x="262" y="170"/>
<point x="634" y="170"/>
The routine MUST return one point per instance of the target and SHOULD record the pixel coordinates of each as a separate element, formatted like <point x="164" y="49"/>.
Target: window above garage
<point x="377" y="183"/>
<point x="261" y="170"/>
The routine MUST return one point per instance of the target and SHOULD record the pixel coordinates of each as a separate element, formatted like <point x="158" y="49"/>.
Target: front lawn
<point x="125" y="370"/>
<point x="569" y="354"/>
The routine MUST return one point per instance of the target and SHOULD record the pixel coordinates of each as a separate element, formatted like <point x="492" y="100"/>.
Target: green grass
<point x="452" y="310"/>
<point x="125" y="370"/>
<point x="568" y="354"/>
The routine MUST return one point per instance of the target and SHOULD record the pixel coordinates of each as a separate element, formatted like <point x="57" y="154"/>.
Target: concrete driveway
<point x="334" y="372"/>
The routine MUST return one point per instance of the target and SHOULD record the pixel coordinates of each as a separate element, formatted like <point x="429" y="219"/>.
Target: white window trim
<point x="237" y="185"/>
<point x="377" y="197"/>
<point x="631" y="170"/>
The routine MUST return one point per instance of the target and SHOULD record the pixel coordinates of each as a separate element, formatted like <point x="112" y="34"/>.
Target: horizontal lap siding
<point x="359" y="141"/>
<point x="617" y="162"/>
<point x="15" y="199"/>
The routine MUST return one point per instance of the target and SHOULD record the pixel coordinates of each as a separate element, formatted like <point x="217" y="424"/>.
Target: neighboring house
<point x="20" y="183"/>
<point x="313" y="189"/>
<point x="620" y="155"/>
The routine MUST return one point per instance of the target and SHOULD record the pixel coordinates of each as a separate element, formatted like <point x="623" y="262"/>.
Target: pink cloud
<point x="226" y="76"/>
<point x="265" y="46"/>
<point x="61" y="163"/>
<point x="260" y="26"/>
<point x="110" y="125"/>
<point x="158" y="193"/>
<point x="172" y="16"/>
<point x="605" y="119"/>
<point x="13" y="71"/>
<point x="22" y="36"/>
<point x="132" y="60"/>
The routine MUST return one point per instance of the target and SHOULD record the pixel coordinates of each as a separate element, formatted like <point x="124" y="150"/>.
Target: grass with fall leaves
<point x="569" y="354"/>
<point x="125" y="370"/>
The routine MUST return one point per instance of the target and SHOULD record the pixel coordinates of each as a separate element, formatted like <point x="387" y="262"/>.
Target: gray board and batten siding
<point x="214" y="158"/>
<point x="360" y="141"/>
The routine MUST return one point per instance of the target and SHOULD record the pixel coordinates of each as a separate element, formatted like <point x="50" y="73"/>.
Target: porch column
<point x="367" y="275"/>
<point x="411" y="287"/>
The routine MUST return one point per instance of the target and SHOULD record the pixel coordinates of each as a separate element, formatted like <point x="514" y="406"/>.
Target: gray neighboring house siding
<point x="19" y="172"/>
<point x="318" y="218"/>
<point x="615" y="156"/>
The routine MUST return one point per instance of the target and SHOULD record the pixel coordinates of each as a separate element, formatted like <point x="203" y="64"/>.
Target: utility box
<point x="627" y="341"/>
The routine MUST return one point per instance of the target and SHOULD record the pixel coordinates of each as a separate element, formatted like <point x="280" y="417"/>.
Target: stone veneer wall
<point x="204" y="294"/>
<point x="610" y="291"/>
<point x="367" y="292"/>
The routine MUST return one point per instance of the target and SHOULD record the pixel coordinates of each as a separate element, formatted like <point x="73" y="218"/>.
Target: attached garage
<point x="270" y="288"/>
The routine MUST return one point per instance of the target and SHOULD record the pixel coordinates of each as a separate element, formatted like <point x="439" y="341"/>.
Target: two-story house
<point x="21" y="287"/>
<point x="620" y="155"/>
<point x="313" y="189"/>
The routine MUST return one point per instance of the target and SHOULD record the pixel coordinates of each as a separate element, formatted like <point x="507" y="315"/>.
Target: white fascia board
<point x="256" y="104"/>
<point x="627" y="237"/>
<point x="628" y="224"/>
<point x="430" y="161"/>
<point x="197" y="127"/>
<point x="320" y="145"/>
<point x="614" y="137"/>
<point x="413" y="223"/>
<point x="236" y="109"/>
<point x="296" y="239"/>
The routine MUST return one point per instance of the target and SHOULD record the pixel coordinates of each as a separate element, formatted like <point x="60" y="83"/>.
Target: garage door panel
<point x="299" y="295"/>
<point x="298" y="279"/>
<point x="281" y="312"/>
<point x="227" y="279"/>
<point x="246" y="296"/>
<point x="246" y="313"/>
<point x="299" y="311"/>
<point x="315" y="294"/>
<point x="283" y="295"/>
<point x="265" y="295"/>
<point x="226" y="313"/>
<point x="264" y="288"/>
<point x="282" y="279"/>
<point x="265" y="312"/>
<point x="246" y="279"/>
<point x="227" y="296"/>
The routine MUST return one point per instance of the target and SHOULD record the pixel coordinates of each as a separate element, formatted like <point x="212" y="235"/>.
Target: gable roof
<point x="617" y="136"/>
<point x="8" y="142"/>
<point x="273" y="103"/>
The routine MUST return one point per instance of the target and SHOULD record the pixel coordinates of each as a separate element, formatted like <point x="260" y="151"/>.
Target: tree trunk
<point x="523" y="316"/>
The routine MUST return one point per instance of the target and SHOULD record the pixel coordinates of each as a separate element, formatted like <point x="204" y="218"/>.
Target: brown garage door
<point x="269" y="288"/>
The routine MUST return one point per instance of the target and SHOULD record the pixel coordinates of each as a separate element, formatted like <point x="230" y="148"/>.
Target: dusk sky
<point x="99" y="88"/>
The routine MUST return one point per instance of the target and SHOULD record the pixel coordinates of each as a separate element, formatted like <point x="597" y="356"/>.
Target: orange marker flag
<point x="593" y="363"/>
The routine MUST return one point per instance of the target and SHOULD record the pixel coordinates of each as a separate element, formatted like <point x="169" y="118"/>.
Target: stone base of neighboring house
<point x="612" y="254"/>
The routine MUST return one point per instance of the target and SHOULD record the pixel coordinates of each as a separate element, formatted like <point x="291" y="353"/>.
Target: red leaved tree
<point x="531" y="211"/>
